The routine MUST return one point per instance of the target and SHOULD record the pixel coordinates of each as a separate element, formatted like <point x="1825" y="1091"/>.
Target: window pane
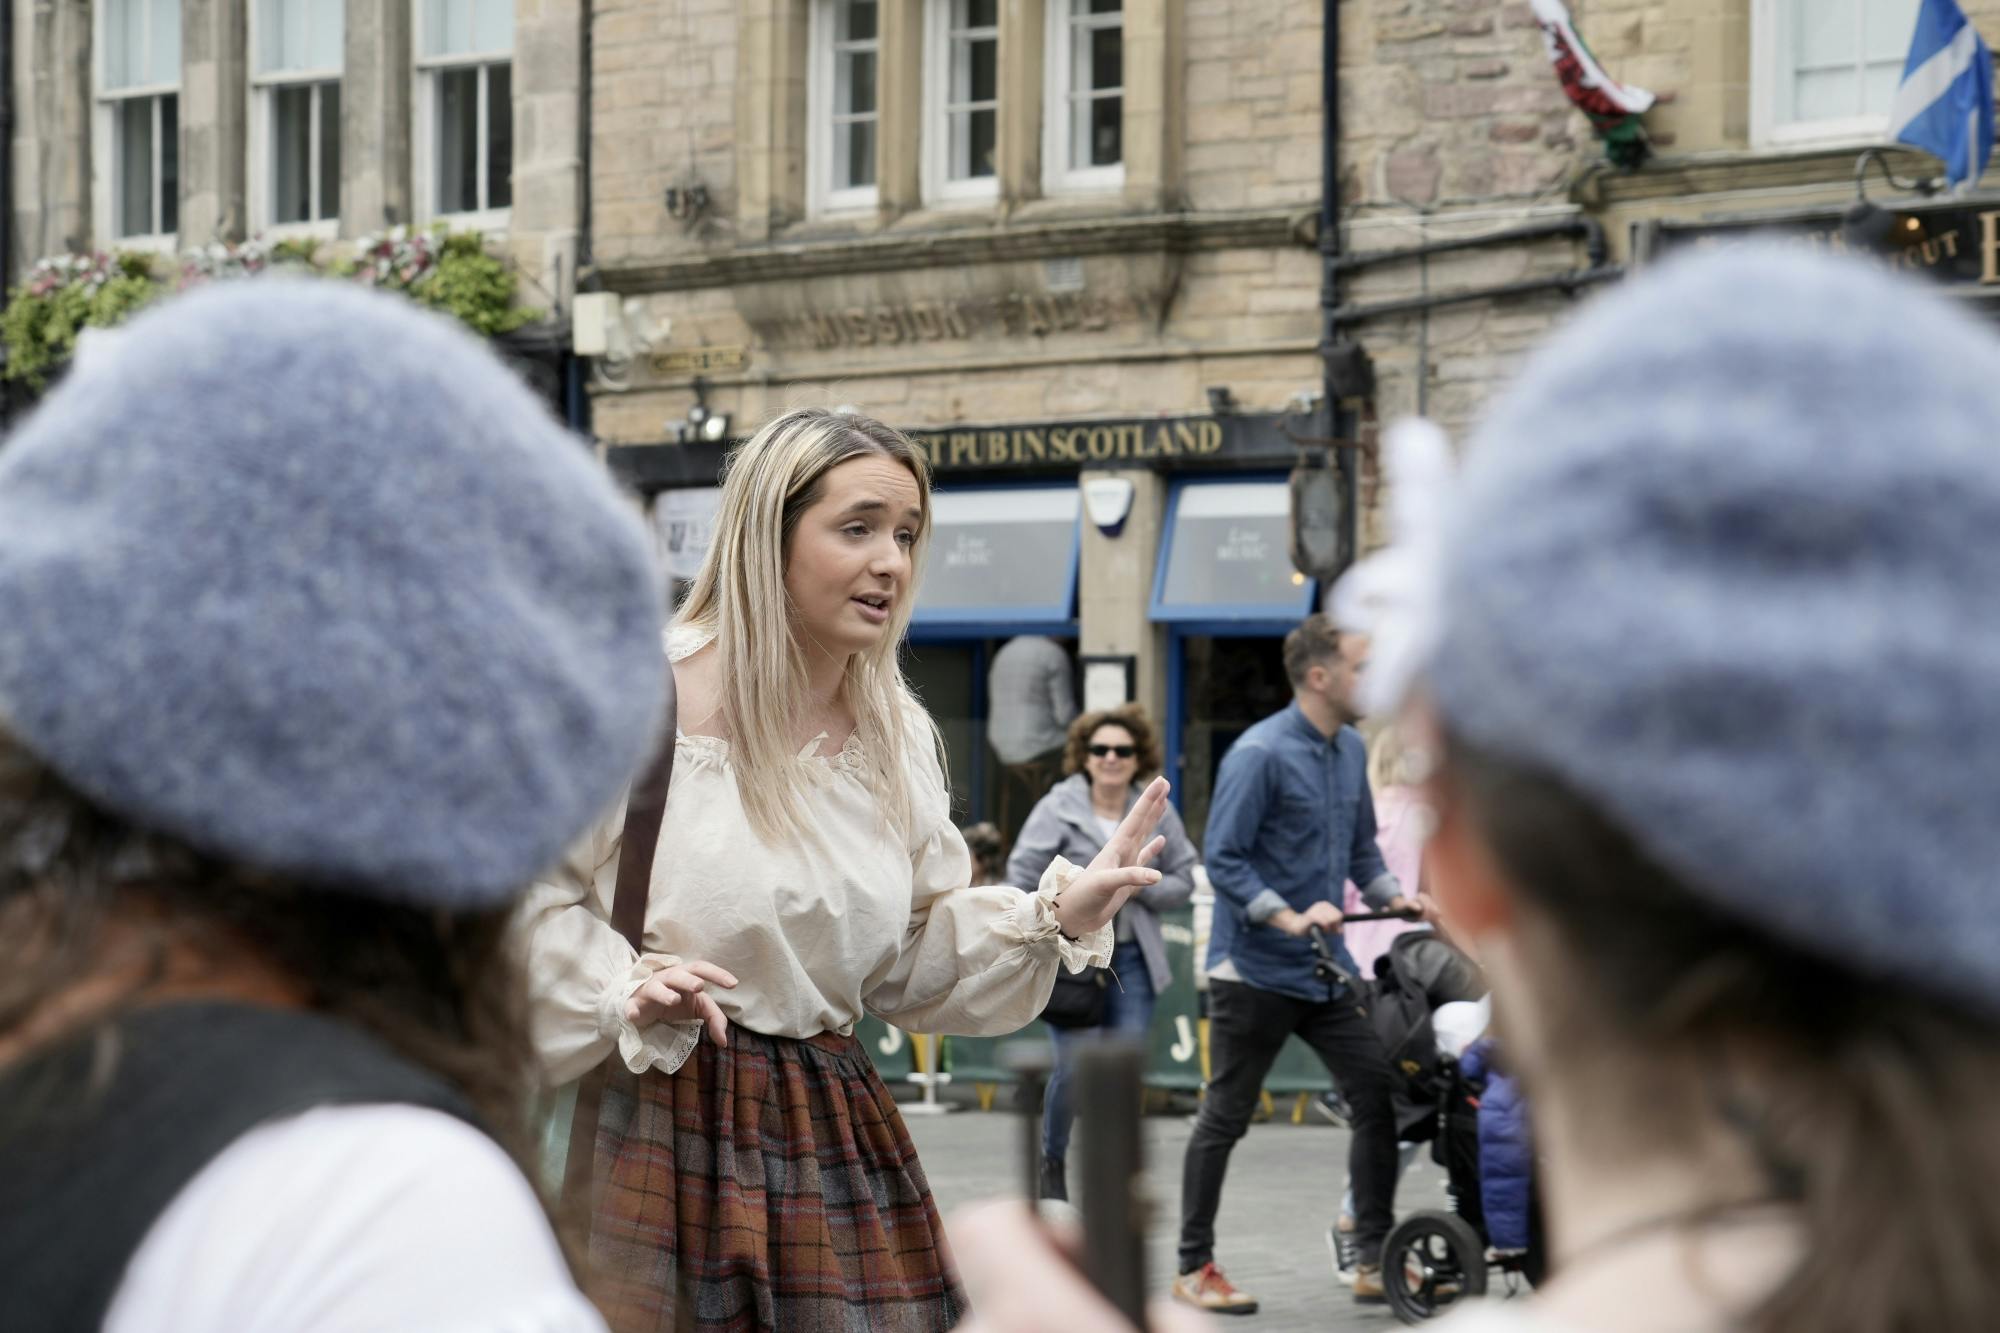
<point x="1102" y="6"/>
<point x="458" y="140"/>
<point x="985" y="70"/>
<point x="979" y="13"/>
<point x="135" y="166"/>
<point x="124" y="42"/>
<point x="1887" y="25"/>
<point x="430" y="36"/>
<point x="291" y="154"/>
<point x="170" y="163"/>
<point x="1878" y="88"/>
<point x="329" y="150"/>
<point x="326" y="37"/>
<point x="856" y="83"/>
<point x="163" y="64"/>
<point x="493" y="26"/>
<point x="292" y="36"/>
<point x="983" y="125"/>
<point x="1828" y="32"/>
<point x="854" y="155"/>
<point x="270" y="29"/>
<point x="855" y="22"/>
<point x="1107" y="58"/>
<point x="500" y="136"/>
<point x="1107" y="132"/>
<point x="457" y="26"/>
<point x="1827" y="95"/>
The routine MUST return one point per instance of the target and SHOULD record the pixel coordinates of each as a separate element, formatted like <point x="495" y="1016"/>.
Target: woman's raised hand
<point x="1120" y="870"/>
<point x="680" y="995"/>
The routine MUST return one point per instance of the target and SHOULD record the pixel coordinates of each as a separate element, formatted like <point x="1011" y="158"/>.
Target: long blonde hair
<point x="770" y="481"/>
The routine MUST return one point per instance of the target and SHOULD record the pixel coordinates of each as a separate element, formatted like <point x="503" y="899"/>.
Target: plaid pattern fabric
<point x="769" y="1185"/>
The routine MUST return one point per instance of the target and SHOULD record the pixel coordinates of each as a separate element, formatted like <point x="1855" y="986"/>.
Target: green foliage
<point x="473" y="287"/>
<point x="62" y="296"/>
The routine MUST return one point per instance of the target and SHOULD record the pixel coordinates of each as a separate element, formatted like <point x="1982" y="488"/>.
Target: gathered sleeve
<point x="582" y="973"/>
<point x="977" y="962"/>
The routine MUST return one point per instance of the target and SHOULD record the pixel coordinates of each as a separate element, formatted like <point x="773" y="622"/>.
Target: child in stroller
<point x="1427" y="1003"/>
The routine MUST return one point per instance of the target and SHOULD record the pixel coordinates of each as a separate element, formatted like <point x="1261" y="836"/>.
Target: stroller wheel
<point x="1429" y="1262"/>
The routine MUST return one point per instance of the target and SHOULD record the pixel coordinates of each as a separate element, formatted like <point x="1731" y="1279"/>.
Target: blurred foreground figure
<point x="1706" y="644"/>
<point x="321" y="640"/>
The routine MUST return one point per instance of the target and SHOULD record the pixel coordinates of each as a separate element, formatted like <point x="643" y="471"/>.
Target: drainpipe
<point x="6" y="172"/>
<point x="576" y="399"/>
<point x="1348" y="375"/>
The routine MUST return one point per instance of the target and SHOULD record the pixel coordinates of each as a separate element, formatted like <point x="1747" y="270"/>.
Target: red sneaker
<point x="1208" y="1289"/>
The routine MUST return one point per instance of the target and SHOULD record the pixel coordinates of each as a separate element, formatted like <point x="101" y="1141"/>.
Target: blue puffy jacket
<point x="1506" y="1156"/>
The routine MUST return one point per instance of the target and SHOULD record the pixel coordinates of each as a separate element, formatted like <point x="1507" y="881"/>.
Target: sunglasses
<point x="1122" y="751"/>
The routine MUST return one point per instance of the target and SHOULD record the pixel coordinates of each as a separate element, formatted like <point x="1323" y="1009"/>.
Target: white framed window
<point x="463" y="151"/>
<point x="1826" y="70"/>
<point x="962" y="99"/>
<point x="1083" y="142"/>
<point x="135" y="132"/>
<point x="297" y="52"/>
<point x="845" y="119"/>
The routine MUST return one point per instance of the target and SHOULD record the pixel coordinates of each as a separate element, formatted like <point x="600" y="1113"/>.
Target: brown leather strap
<point x="645" y="807"/>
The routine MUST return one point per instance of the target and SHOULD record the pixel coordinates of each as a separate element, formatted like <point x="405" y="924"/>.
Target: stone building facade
<point x="1069" y="244"/>
<point x="1476" y="206"/>
<point x="165" y="125"/>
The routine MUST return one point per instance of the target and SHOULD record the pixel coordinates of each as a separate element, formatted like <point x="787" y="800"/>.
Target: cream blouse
<point x="816" y="935"/>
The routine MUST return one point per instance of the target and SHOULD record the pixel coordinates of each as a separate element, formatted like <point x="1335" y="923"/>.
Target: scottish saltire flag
<point x="1945" y="102"/>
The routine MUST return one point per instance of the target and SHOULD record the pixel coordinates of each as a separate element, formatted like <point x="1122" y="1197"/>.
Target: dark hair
<point x="1076" y="746"/>
<point x="441" y="988"/>
<point x="1315" y="640"/>
<point x="988" y="849"/>
<point x="1870" y="1104"/>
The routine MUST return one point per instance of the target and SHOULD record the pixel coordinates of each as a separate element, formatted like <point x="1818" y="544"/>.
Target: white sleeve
<point x="581" y="972"/>
<point x="352" y="1218"/>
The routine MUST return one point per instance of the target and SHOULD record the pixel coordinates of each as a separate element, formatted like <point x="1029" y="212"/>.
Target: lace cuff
<point x="1035" y="917"/>
<point x="661" y="1046"/>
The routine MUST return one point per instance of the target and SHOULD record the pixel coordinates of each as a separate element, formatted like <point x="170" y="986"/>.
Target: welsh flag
<point x="1614" y="108"/>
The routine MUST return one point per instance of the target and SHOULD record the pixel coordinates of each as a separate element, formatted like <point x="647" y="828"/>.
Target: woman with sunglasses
<point x="1107" y="753"/>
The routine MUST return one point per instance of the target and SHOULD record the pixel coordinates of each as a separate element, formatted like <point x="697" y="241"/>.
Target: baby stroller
<point x="1433" y="1259"/>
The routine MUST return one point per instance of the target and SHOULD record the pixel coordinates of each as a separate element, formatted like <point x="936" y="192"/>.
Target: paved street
<point x="1284" y="1182"/>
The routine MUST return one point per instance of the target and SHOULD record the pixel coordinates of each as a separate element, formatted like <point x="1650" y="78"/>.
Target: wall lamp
<point x="702" y="422"/>
<point x="1868" y="227"/>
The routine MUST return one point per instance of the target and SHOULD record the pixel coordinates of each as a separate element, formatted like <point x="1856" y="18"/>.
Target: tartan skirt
<point x="767" y="1185"/>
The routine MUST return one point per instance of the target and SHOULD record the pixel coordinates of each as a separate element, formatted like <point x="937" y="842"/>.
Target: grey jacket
<point x="1063" y="824"/>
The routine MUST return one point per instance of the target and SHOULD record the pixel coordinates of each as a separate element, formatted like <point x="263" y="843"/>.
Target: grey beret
<point x="1727" y="561"/>
<point x="303" y="576"/>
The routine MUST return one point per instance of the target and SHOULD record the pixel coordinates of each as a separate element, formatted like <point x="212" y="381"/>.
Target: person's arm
<point x="1365" y="864"/>
<point x="583" y="976"/>
<point x="1035" y="850"/>
<point x="979" y="961"/>
<point x="1243" y="792"/>
<point x="1021" y="1281"/>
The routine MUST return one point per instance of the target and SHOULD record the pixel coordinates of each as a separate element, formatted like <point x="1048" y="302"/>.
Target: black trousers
<point x="1247" y="1029"/>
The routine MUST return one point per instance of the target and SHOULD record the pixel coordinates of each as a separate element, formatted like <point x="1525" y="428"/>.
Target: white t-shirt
<point x="353" y="1218"/>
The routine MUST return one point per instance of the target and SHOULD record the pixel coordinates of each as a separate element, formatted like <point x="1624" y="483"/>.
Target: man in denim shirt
<point x="1291" y="822"/>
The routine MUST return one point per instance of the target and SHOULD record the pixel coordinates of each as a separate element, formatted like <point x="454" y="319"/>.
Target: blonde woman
<point x="751" y="1169"/>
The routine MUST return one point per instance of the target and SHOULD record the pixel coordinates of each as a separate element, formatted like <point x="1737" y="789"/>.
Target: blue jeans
<point x="1128" y="1010"/>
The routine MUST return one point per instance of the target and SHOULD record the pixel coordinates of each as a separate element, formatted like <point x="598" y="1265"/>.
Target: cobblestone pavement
<point x="1284" y="1185"/>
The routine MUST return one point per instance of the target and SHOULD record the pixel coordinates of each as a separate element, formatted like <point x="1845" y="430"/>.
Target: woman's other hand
<point x="1020" y="1281"/>
<point x="680" y="995"/>
<point x="1119" y="871"/>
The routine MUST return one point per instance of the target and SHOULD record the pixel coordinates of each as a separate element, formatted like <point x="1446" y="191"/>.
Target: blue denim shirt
<point x="1292" y="820"/>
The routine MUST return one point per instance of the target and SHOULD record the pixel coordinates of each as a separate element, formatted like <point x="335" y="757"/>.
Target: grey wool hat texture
<point x="303" y="576"/>
<point x="1726" y="561"/>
